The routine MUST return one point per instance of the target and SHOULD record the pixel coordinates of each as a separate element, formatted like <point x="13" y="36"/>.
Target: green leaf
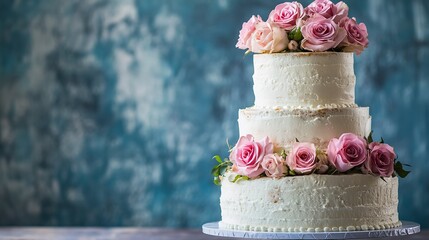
<point x="218" y="158"/>
<point x="298" y="35"/>
<point x="236" y="178"/>
<point x="295" y="34"/>
<point x="292" y="34"/>
<point x="292" y="172"/>
<point x="216" y="180"/>
<point x="222" y="170"/>
<point x="369" y="139"/>
<point x="283" y="154"/>
<point x="240" y="177"/>
<point x="216" y="171"/>
<point x="382" y="140"/>
<point x="399" y="170"/>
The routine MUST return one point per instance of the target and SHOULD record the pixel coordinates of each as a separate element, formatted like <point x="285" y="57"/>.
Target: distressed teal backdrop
<point x="111" y="110"/>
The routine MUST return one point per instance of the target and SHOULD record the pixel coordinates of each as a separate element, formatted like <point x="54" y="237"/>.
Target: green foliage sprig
<point x="219" y="170"/>
<point x="399" y="169"/>
<point x="369" y="139"/>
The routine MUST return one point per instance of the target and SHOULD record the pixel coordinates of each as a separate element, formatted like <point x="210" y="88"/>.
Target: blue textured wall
<point x="111" y="110"/>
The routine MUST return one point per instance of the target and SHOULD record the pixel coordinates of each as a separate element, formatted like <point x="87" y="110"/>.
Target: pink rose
<point x="321" y="34"/>
<point x="268" y="38"/>
<point x="274" y="165"/>
<point x="302" y="158"/>
<point x="357" y="36"/>
<point x="247" y="31"/>
<point x="286" y="15"/>
<point x="327" y="9"/>
<point x="342" y="10"/>
<point x="381" y="159"/>
<point x="347" y="152"/>
<point x="247" y="155"/>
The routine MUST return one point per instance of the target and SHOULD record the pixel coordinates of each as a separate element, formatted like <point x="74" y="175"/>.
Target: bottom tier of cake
<point x="311" y="203"/>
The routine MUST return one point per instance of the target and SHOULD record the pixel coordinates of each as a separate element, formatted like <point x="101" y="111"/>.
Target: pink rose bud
<point x="293" y="45"/>
<point x="357" y="36"/>
<point x="286" y="15"/>
<point x="347" y="152"/>
<point x="247" y="31"/>
<point x="247" y="155"/>
<point x="327" y="9"/>
<point x="274" y="165"/>
<point x="268" y="38"/>
<point x="381" y="159"/>
<point x="302" y="158"/>
<point x="321" y="34"/>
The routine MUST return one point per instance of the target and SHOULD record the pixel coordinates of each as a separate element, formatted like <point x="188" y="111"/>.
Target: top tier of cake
<point x="324" y="80"/>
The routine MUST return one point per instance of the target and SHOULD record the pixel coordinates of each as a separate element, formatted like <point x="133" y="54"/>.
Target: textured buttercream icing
<point x="310" y="203"/>
<point x="284" y="126"/>
<point x="304" y="79"/>
<point x="309" y="97"/>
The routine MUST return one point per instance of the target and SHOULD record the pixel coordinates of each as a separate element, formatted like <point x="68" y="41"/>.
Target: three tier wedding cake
<point x="306" y="160"/>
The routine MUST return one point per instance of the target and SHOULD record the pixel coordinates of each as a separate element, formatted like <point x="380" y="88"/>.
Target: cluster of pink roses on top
<point x="321" y="26"/>
<point x="252" y="158"/>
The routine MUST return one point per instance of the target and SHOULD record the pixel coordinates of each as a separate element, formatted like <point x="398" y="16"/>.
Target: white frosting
<point x="310" y="203"/>
<point x="309" y="97"/>
<point x="283" y="126"/>
<point x="304" y="79"/>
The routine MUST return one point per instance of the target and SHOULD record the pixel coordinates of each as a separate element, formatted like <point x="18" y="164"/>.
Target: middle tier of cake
<point x="284" y="126"/>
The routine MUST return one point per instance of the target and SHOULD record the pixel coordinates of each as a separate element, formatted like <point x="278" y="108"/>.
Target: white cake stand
<point x="407" y="228"/>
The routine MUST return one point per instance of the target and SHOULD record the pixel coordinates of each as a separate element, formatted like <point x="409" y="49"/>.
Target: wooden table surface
<point x="66" y="233"/>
